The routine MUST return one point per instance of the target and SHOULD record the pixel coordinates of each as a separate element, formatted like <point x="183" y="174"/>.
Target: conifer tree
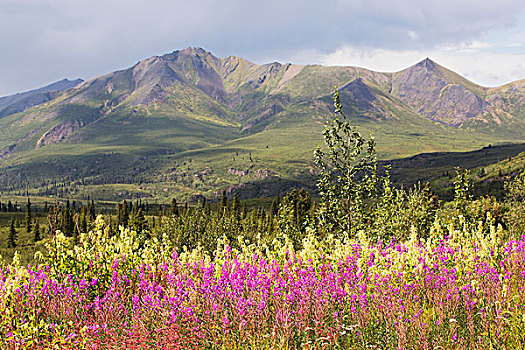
<point x="139" y="221"/>
<point x="13" y="236"/>
<point x="67" y="219"/>
<point x="207" y="209"/>
<point x="274" y="209"/>
<point x="119" y="213"/>
<point x="271" y="225"/>
<point x="52" y="219"/>
<point x="91" y="210"/>
<point x="236" y="207"/>
<point x="28" y="216"/>
<point x="304" y="204"/>
<point x="125" y="214"/>
<point x="83" y="220"/>
<point x="174" y="208"/>
<point x="223" y="205"/>
<point x="75" y="229"/>
<point x="36" y="232"/>
<point x="244" y="211"/>
<point x="112" y="228"/>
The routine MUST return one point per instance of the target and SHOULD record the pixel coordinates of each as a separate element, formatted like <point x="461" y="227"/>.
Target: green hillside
<point x="188" y="124"/>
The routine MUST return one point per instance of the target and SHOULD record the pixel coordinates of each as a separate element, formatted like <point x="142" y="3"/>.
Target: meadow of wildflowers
<point x="454" y="290"/>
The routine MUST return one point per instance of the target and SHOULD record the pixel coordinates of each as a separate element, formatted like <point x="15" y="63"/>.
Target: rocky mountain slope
<point x="190" y="122"/>
<point x="20" y="102"/>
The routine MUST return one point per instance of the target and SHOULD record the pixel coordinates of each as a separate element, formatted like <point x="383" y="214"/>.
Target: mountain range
<point x="188" y="124"/>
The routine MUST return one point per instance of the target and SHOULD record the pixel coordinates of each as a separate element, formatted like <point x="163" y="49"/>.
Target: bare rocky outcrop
<point x="262" y="174"/>
<point x="59" y="133"/>
<point x="238" y="172"/>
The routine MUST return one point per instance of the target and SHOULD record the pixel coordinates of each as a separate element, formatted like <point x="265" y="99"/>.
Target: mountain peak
<point x="426" y="63"/>
<point x="194" y="50"/>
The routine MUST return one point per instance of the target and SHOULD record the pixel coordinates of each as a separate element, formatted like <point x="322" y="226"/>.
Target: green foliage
<point x="28" y="216"/>
<point x="462" y="190"/>
<point x="138" y="221"/>
<point x="223" y="205"/>
<point x="295" y="215"/>
<point x="89" y="259"/>
<point x="355" y="201"/>
<point x="515" y="199"/>
<point x="348" y="178"/>
<point x="36" y="232"/>
<point x="13" y="235"/>
<point x="399" y="213"/>
<point x="174" y="207"/>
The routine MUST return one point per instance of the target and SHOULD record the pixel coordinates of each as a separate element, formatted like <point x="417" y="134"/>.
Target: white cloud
<point x="46" y="40"/>
<point x="413" y="35"/>
<point x="473" y="61"/>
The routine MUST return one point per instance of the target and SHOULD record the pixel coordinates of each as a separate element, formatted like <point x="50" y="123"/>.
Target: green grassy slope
<point x="188" y="124"/>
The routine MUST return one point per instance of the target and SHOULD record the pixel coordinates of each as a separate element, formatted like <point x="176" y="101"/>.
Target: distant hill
<point x="20" y="102"/>
<point x="188" y="124"/>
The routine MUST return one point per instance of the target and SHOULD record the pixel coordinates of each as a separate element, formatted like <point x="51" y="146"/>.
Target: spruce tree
<point x="139" y="221"/>
<point x="275" y="207"/>
<point x="91" y="210"/>
<point x="67" y="220"/>
<point x="119" y="213"/>
<point x="207" y="209"/>
<point x="223" y="205"/>
<point x="74" y="233"/>
<point x="13" y="236"/>
<point x="36" y="232"/>
<point x="244" y="211"/>
<point x="174" y="208"/>
<point x="236" y="205"/>
<point x="304" y="204"/>
<point x="125" y="214"/>
<point x="83" y="220"/>
<point x="28" y="216"/>
<point x="112" y="228"/>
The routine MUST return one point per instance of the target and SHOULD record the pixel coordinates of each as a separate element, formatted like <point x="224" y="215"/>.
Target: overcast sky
<point x="42" y="41"/>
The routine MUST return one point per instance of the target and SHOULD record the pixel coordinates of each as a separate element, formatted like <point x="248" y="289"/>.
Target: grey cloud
<point x="46" y="40"/>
